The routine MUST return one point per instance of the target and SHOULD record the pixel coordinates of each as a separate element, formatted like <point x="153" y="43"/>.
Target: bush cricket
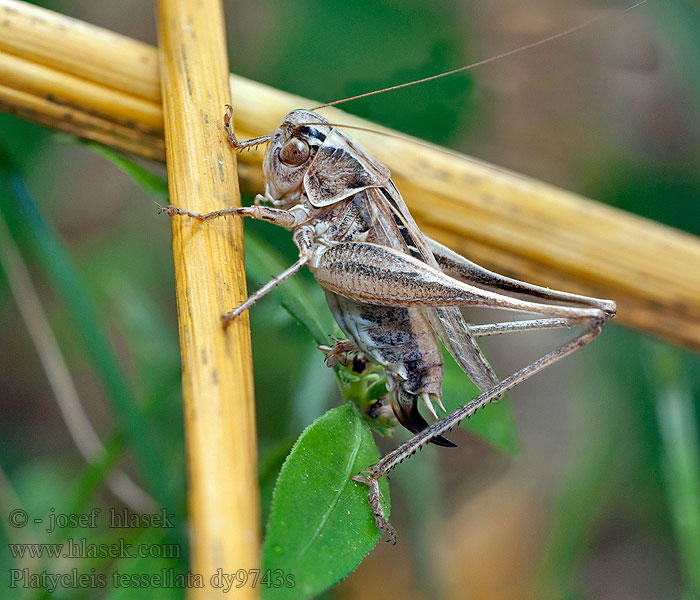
<point x="394" y="292"/>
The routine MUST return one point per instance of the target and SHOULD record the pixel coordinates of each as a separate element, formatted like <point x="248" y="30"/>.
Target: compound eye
<point x="295" y="152"/>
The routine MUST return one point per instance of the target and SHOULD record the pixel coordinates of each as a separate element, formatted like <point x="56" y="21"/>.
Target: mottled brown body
<point x="398" y="338"/>
<point x="348" y="211"/>
<point x="395" y="293"/>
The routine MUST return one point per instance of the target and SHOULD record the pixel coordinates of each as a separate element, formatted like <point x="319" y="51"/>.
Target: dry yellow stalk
<point x="69" y="90"/>
<point x="78" y="48"/>
<point x="71" y="120"/>
<point x="217" y="370"/>
<point x="502" y="220"/>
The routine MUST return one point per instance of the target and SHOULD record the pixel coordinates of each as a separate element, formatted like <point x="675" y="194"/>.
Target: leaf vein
<point x="346" y="479"/>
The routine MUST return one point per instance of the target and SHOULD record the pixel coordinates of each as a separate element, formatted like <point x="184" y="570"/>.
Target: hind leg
<point x="371" y="475"/>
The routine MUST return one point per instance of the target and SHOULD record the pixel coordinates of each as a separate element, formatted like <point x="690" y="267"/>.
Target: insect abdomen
<point x="400" y="339"/>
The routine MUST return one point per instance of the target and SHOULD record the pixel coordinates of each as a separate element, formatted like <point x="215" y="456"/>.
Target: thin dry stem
<point x="217" y="363"/>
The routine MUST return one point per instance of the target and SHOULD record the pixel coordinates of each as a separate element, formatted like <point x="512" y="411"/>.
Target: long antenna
<point x="546" y="40"/>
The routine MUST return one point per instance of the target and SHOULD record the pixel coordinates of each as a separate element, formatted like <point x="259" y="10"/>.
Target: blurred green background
<point x="602" y="500"/>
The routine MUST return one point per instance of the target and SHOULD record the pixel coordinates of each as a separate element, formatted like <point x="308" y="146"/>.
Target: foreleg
<point x="289" y="219"/>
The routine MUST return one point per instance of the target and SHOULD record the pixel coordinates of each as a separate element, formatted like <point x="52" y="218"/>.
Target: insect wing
<point x="341" y="169"/>
<point x="448" y="322"/>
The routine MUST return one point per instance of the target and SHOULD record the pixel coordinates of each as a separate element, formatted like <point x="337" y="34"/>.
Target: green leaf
<point x="271" y="459"/>
<point x="320" y="525"/>
<point x="494" y="423"/>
